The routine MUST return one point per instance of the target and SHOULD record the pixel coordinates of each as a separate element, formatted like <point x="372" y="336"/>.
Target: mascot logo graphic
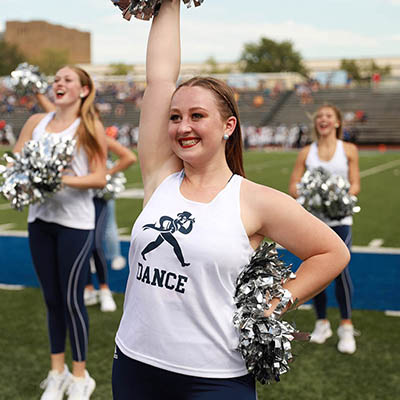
<point x="167" y="227"/>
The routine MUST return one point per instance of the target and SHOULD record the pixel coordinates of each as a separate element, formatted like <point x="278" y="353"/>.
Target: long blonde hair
<point x="86" y="132"/>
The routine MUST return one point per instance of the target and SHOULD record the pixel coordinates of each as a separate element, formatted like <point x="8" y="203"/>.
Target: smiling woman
<point x="200" y="224"/>
<point x="61" y="228"/>
<point x="340" y="158"/>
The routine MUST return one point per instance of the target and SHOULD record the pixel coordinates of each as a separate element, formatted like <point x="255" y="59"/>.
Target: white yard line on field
<point x="379" y="168"/>
<point x="6" y="227"/>
<point x="266" y="164"/>
<point x="391" y="313"/>
<point x="131" y="194"/>
<point x="5" y="286"/>
<point x="376" y="243"/>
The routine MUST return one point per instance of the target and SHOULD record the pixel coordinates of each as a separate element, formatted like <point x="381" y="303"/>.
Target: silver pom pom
<point x="326" y="195"/>
<point x="264" y="342"/>
<point x="27" y="79"/>
<point x="115" y="184"/>
<point x="35" y="173"/>
<point x="146" y="9"/>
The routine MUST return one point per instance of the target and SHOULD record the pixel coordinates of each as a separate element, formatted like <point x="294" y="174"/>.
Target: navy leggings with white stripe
<point x="60" y="257"/>
<point x="343" y="284"/>
<point x="99" y="258"/>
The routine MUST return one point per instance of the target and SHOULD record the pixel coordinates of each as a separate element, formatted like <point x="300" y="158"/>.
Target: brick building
<point x="35" y="36"/>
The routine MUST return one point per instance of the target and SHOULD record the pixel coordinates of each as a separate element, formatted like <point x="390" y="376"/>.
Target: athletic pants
<point x="112" y="245"/>
<point x="343" y="284"/>
<point x="60" y="257"/>
<point x="99" y="258"/>
<point x="133" y="380"/>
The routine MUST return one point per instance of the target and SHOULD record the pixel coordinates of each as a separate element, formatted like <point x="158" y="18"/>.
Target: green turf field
<point x="319" y="371"/>
<point x="379" y="198"/>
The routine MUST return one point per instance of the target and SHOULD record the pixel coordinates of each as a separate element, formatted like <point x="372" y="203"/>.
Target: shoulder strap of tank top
<point x="44" y="121"/>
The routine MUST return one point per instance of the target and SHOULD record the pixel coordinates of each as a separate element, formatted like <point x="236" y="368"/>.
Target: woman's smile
<point x="188" y="142"/>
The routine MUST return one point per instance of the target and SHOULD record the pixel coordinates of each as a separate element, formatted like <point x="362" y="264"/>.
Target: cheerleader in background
<point x="340" y="158"/>
<point x="61" y="229"/>
<point x="125" y="158"/>
<point x="104" y="224"/>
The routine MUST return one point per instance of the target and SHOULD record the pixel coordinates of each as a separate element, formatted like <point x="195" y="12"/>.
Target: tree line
<point x="266" y="55"/>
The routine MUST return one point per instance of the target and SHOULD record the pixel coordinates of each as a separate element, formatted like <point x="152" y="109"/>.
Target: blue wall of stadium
<point x="376" y="276"/>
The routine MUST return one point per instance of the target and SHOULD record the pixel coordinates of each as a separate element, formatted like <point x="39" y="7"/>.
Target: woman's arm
<point x="125" y="156"/>
<point x="272" y="214"/>
<point x="298" y="171"/>
<point x="97" y="176"/>
<point x="27" y="130"/>
<point x="45" y="103"/>
<point x="162" y="70"/>
<point x="354" y="169"/>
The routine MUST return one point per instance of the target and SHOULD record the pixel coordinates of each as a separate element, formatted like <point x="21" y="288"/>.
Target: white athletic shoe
<point x="90" y="297"/>
<point x="118" y="263"/>
<point x="107" y="303"/>
<point x="347" y="343"/>
<point x="321" y="332"/>
<point x="81" y="388"/>
<point x="55" y="384"/>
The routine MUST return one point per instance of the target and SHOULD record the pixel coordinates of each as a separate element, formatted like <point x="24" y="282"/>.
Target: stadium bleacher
<point x="380" y="107"/>
<point x="257" y="108"/>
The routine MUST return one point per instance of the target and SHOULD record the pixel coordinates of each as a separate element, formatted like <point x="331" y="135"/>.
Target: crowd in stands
<point x="108" y="93"/>
<point x="122" y="93"/>
<point x="305" y="90"/>
<point x="114" y="98"/>
<point x="7" y="136"/>
<point x="281" y="136"/>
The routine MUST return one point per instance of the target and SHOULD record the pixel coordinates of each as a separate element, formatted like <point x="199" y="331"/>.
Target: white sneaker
<point x="118" y="263"/>
<point x="321" y="332"/>
<point x="81" y="388"/>
<point x="347" y="343"/>
<point x="90" y="297"/>
<point x="55" y="384"/>
<point x="107" y="303"/>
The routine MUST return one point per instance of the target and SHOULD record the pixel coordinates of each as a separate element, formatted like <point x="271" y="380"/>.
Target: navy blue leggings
<point x="343" y="284"/>
<point x="60" y="257"/>
<point x="133" y="380"/>
<point x="99" y="258"/>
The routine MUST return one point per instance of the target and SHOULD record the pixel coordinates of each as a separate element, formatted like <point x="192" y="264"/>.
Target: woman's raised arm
<point x="162" y="70"/>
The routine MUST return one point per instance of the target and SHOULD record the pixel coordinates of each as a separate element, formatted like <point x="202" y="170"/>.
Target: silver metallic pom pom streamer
<point x="115" y="184"/>
<point x="326" y="195"/>
<point x="264" y="342"/>
<point x="146" y="9"/>
<point x="26" y="79"/>
<point x="35" y="173"/>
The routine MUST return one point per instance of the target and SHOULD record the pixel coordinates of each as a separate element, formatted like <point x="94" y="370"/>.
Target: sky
<point x="318" y="29"/>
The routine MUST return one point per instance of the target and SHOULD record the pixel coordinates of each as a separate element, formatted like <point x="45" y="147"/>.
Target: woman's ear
<point x="230" y="125"/>
<point x="84" y="91"/>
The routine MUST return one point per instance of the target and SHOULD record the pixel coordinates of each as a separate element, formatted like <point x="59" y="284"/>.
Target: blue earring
<point x="226" y="136"/>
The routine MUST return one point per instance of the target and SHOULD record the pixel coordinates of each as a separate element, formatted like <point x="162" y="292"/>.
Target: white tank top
<point x="69" y="207"/>
<point x="176" y="317"/>
<point x="337" y="165"/>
